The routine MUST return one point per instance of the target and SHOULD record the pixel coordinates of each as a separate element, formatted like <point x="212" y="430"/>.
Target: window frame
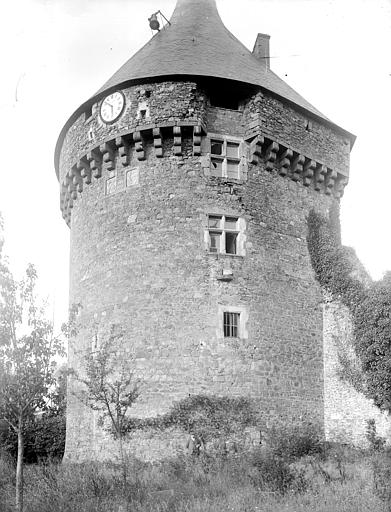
<point x="225" y="158"/>
<point x="231" y="324"/>
<point x="237" y="231"/>
<point x="243" y="318"/>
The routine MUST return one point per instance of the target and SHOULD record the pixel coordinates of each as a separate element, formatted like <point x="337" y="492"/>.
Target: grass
<point x="340" y="480"/>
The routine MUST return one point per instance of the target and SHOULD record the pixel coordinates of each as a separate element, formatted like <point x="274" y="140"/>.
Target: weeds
<point x="334" y="479"/>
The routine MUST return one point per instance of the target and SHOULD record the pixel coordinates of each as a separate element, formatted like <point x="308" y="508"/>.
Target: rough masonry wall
<point x="346" y="410"/>
<point x="298" y="131"/>
<point x="165" y="102"/>
<point x="139" y="260"/>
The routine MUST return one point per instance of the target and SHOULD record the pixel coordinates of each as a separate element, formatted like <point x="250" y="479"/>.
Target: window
<point x="223" y="232"/>
<point x="231" y="324"/>
<point x="225" y="158"/>
<point x="232" y="321"/>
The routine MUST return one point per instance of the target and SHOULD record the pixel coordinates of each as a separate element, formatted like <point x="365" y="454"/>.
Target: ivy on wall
<point x="369" y="306"/>
<point x="205" y="415"/>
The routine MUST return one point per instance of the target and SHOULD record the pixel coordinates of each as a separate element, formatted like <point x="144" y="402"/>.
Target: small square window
<point x="232" y="150"/>
<point x="214" y="222"/>
<point x="225" y="158"/>
<point x="231" y="222"/>
<point x="214" y="242"/>
<point x="231" y="324"/>
<point x="223" y="234"/>
<point x="232" y="169"/>
<point x="216" y="147"/>
<point x="217" y="167"/>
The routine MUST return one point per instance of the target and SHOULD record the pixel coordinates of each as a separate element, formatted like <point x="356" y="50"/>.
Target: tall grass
<point x="260" y="481"/>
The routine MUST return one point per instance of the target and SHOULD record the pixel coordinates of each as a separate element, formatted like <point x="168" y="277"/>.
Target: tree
<point x="110" y="386"/>
<point x="28" y="349"/>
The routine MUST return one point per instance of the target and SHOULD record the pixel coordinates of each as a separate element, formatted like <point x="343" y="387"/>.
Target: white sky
<point x="56" y="53"/>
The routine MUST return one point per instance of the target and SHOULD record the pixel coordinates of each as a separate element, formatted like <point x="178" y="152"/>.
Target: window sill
<point x="219" y="255"/>
<point x="229" y="181"/>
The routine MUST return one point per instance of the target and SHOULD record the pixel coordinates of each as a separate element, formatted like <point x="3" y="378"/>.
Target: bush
<point x="292" y="442"/>
<point x="274" y="473"/>
<point x="376" y="442"/>
<point x="44" y="439"/>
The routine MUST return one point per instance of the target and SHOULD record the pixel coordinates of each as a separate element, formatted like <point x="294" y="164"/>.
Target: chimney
<point x="261" y="49"/>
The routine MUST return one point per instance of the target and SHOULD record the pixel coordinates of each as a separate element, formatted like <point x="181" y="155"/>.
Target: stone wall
<point x="346" y="410"/>
<point x="139" y="260"/>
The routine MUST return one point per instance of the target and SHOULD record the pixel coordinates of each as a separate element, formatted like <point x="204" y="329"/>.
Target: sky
<point x="55" y="54"/>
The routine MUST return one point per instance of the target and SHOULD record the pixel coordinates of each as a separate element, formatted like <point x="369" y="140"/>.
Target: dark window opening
<point x="143" y="114"/>
<point x="148" y="94"/>
<point x="230" y="243"/>
<point x="231" y="325"/>
<point x="216" y="147"/>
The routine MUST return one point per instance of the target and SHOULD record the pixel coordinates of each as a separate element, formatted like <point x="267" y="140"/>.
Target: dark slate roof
<point x="197" y="43"/>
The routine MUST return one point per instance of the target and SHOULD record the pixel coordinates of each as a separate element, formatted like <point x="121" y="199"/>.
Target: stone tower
<point x="186" y="181"/>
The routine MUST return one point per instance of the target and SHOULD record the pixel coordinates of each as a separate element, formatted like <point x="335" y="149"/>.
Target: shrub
<point x="292" y="442"/>
<point x="274" y="473"/>
<point x="375" y="441"/>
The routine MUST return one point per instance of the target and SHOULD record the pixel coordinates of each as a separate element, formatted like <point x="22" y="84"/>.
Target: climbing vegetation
<point x="369" y="304"/>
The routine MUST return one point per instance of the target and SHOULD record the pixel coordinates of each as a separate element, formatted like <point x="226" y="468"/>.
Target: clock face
<point x="112" y="107"/>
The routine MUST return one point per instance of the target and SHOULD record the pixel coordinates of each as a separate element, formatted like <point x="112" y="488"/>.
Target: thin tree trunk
<point x="123" y="463"/>
<point x="19" y="469"/>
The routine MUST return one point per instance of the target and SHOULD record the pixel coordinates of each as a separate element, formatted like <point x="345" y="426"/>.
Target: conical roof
<point x="198" y="44"/>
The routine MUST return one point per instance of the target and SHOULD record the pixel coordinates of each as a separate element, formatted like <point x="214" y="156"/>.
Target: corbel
<point x="285" y="162"/>
<point x="308" y="174"/>
<point x="138" y="141"/>
<point x="84" y="169"/>
<point x="256" y="149"/>
<point x="320" y="175"/>
<point x="330" y="181"/>
<point x="271" y="155"/>
<point x="94" y="160"/>
<point x="70" y="185"/>
<point x="297" y="167"/>
<point x="108" y="155"/>
<point x="197" y="131"/>
<point x="123" y="149"/>
<point x="77" y="180"/>
<point x="177" y="141"/>
<point x="157" y="142"/>
<point x="63" y="199"/>
<point x="339" y="188"/>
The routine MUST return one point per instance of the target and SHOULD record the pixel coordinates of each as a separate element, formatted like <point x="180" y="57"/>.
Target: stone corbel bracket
<point x="274" y="156"/>
<point x="116" y="151"/>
